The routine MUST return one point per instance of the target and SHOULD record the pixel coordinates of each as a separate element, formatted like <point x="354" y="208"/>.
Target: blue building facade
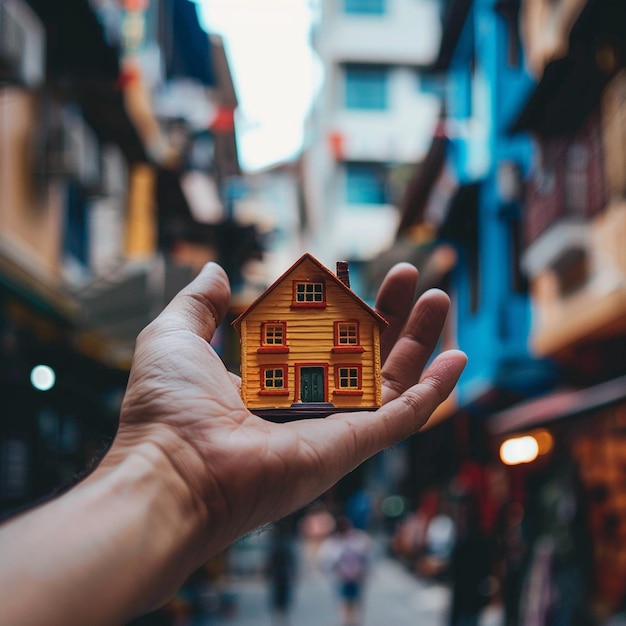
<point x="486" y="84"/>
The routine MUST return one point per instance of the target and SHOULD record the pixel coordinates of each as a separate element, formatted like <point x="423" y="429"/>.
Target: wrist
<point x="162" y="463"/>
<point x="167" y="524"/>
<point x="128" y="536"/>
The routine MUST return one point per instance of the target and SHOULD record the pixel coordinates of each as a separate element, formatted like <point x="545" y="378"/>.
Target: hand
<point x="244" y="471"/>
<point x="191" y="469"/>
<point x="239" y="470"/>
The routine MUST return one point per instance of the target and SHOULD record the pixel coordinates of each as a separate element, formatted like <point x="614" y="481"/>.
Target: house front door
<point x="312" y="384"/>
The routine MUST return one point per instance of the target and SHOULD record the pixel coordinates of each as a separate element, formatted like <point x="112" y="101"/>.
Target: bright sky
<point x="275" y="72"/>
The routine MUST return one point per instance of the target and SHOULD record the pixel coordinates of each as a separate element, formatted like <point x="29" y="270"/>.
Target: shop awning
<point x="555" y="406"/>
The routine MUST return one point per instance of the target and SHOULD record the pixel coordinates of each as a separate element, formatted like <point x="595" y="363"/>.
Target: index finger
<point x="394" y="302"/>
<point x="344" y="440"/>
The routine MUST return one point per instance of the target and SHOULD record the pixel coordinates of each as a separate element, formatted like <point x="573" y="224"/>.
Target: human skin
<point x="191" y="469"/>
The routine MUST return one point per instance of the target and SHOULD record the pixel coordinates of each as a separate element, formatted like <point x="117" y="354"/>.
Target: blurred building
<point x="370" y="121"/>
<point x="524" y="181"/>
<point x="118" y="169"/>
<point x="573" y="242"/>
<point x="271" y="204"/>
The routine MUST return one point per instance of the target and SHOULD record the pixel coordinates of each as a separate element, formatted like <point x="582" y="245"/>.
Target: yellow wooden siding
<point x="310" y="339"/>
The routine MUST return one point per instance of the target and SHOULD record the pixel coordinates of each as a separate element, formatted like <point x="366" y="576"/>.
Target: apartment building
<point x="373" y="117"/>
<point x="117" y="159"/>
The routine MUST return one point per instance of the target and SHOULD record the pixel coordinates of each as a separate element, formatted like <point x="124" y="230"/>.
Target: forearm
<point x="110" y="549"/>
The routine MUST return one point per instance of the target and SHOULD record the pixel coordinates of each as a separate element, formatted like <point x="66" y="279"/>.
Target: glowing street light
<point x="519" y="450"/>
<point x="42" y="377"/>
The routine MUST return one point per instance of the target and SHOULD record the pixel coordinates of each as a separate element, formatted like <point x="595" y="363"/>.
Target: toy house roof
<point x="306" y="257"/>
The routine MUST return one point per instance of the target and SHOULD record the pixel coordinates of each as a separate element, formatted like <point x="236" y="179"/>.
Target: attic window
<point x="273" y="337"/>
<point x="346" y="337"/>
<point x="309" y="294"/>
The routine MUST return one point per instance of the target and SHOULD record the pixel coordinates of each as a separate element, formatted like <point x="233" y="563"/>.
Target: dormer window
<point x="309" y="294"/>
<point x="273" y="337"/>
<point x="346" y="337"/>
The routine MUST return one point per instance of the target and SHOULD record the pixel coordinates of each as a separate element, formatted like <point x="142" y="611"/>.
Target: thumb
<point x="201" y="306"/>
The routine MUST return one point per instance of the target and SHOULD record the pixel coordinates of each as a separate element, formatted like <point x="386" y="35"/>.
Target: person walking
<point x="281" y="569"/>
<point x="346" y="554"/>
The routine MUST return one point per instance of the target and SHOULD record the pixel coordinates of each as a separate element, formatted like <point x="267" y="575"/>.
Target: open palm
<point x="241" y="470"/>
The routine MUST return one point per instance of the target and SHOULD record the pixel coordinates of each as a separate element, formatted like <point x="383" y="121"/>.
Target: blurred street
<point x="309" y="148"/>
<point x="393" y="596"/>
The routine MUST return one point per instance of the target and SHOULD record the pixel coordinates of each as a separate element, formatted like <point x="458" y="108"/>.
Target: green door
<point x="312" y="384"/>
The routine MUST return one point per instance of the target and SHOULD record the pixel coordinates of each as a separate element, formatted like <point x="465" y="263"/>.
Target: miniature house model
<point x="310" y="346"/>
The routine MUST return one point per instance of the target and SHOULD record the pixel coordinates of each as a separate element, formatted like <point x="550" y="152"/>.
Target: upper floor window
<point x="346" y="337"/>
<point x="307" y="293"/>
<point x="365" y="7"/>
<point x="366" y="87"/>
<point x="365" y="183"/>
<point x="273" y="337"/>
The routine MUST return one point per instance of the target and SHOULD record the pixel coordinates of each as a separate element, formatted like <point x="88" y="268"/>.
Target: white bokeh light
<point x="42" y="377"/>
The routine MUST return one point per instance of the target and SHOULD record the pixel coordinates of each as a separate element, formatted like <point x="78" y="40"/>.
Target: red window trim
<point x="271" y="391"/>
<point x="351" y="347"/>
<point x="308" y="305"/>
<point x="280" y="348"/>
<point x="339" y="391"/>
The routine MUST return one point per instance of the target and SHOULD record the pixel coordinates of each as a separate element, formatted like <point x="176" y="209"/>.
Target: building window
<point x="366" y="87"/>
<point x="273" y="337"/>
<point x="76" y="244"/>
<point x="309" y="294"/>
<point x="346" y="337"/>
<point x="273" y="334"/>
<point x="365" y="183"/>
<point x="274" y="380"/>
<point x="365" y="7"/>
<point x="348" y="380"/>
<point x="347" y="333"/>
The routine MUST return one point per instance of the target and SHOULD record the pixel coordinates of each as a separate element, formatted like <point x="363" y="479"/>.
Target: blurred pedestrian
<point x="359" y="509"/>
<point x="315" y="526"/>
<point x="281" y="570"/>
<point x="346" y="554"/>
<point x="470" y="565"/>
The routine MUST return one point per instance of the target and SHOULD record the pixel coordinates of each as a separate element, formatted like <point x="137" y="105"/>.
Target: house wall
<point x="310" y="340"/>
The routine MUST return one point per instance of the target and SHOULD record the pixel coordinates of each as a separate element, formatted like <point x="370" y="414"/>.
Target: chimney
<point x="343" y="273"/>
